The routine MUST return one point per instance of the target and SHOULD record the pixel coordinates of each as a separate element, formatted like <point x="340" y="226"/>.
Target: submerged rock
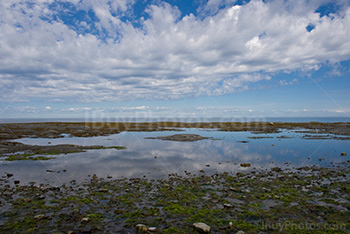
<point x="343" y="154"/>
<point x="202" y="227"/>
<point x="245" y="164"/>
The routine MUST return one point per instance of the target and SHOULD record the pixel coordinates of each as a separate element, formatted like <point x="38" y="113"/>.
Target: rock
<point x="16" y="181"/>
<point x="103" y="190"/>
<point x="141" y="227"/>
<point x="233" y="189"/>
<point x="109" y="177"/>
<point x="202" y="171"/>
<point x="228" y="205"/>
<point x="39" y="216"/>
<point x="85" y="220"/>
<point x="245" y="164"/>
<point x="240" y="232"/>
<point x="180" y="137"/>
<point x="230" y="224"/>
<point x="27" y="200"/>
<point x="94" y="177"/>
<point x="243" y="142"/>
<point x="9" y="175"/>
<point x="7" y="194"/>
<point x="152" y="229"/>
<point x="48" y="170"/>
<point x="343" y="154"/>
<point x="202" y="227"/>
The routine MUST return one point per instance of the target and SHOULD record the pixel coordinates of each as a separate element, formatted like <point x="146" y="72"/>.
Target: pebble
<point x="228" y="205"/>
<point x="39" y="216"/>
<point x="343" y="154"/>
<point x="85" y="220"/>
<point x="202" y="227"/>
<point x="141" y="227"/>
<point x="152" y="229"/>
<point x="16" y="182"/>
<point x="9" y="175"/>
<point x="240" y="232"/>
<point x="245" y="165"/>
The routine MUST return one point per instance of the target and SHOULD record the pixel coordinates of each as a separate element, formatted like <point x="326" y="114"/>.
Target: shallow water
<point x="156" y="158"/>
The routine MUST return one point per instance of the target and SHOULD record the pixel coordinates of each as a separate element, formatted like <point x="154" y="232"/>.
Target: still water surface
<point x="156" y="158"/>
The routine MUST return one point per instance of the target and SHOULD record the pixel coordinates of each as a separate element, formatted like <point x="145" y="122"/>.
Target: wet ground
<point x="61" y="178"/>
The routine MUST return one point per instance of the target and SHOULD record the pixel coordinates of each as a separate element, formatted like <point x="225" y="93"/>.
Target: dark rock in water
<point x="243" y="141"/>
<point x="16" y="181"/>
<point x="9" y="175"/>
<point x="245" y="165"/>
<point x="343" y="154"/>
<point x="180" y="137"/>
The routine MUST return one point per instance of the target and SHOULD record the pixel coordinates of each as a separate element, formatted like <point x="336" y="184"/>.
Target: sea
<point x="182" y="119"/>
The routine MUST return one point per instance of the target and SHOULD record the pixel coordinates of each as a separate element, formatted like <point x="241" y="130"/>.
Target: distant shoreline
<point x="88" y="129"/>
<point x="178" y="119"/>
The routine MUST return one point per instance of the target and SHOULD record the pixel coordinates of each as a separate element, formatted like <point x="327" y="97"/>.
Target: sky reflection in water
<point x="156" y="158"/>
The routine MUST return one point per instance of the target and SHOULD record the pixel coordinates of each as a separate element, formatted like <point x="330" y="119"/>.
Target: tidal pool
<point x="153" y="158"/>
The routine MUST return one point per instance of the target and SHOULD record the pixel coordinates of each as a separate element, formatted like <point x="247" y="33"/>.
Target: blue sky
<point x="174" y="58"/>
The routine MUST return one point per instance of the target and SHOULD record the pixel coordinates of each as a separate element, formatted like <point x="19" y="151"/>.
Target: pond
<point x="154" y="158"/>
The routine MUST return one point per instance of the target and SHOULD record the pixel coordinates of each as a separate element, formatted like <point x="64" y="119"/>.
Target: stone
<point x="16" y="182"/>
<point x="141" y="227"/>
<point x="343" y="154"/>
<point x="228" y="205"/>
<point x="240" y="232"/>
<point x="85" y="220"/>
<point x="245" y="164"/>
<point x="39" y="216"/>
<point x="233" y="189"/>
<point x="48" y="170"/>
<point x="152" y="229"/>
<point x="202" y="227"/>
<point x="9" y="175"/>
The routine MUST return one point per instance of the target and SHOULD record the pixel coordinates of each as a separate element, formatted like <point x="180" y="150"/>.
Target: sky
<point x="174" y="58"/>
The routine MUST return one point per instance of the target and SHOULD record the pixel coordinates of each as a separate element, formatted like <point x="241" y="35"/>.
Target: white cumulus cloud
<point x="166" y="56"/>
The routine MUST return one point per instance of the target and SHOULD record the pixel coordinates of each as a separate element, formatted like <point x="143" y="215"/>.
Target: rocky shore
<point x="303" y="200"/>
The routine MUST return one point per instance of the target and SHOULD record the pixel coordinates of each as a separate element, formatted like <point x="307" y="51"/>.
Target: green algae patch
<point x="18" y="157"/>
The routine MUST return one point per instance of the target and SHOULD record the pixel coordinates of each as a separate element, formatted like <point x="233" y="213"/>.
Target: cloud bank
<point x="95" y="51"/>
